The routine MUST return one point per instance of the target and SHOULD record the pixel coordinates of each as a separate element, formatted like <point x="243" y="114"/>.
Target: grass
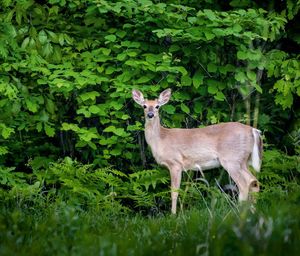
<point x="61" y="229"/>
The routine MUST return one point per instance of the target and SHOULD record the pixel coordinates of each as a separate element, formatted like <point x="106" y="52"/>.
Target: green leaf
<point x="211" y="67"/>
<point x="85" y="112"/>
<point x="198" y="79"/>
<point x="125" y="117"/>
<point x="50" y="106"/>
<point x="257" y="87"/>
<point x="237" y="28"/>
<point x="251" y="75"/>
<point x="186" y="80"/>
<point x="94" y="109"/>
<point x="182" y="70"/>
<point x="240" y="76"/>
<point x="92" y="145"/>
<point x="116" y="105"/>
<point x="111" y="38"/>
<point x="121" y="33"/>
<point x="225" y="69"/>
<point x="212" y="88"/>
<point x="285" y="101"/>
<point x="242" y="55"/>
<point x="81" y="144"/>
<point x="32" y="106"/>
<point x="6" y="131"/>
<point x="25" y="43"/>
<point x="153" y="58"/>
<point x="209" y="35"/>
<point x="219" y="96"/>
<point x="116" y="152"/>
<point x="39" y="126"/>
<point x="110" y="129"/>
<point x="43" y="117"/>
<point x="143" y="79"/>
<point x="132" y="53"/>
<point x="110" y="70"/>
<point x="184" y="108"/>
<point x="120" y="132"/>
<point x="254" y="55"/>
<point x="68" y="127"/>
<point x="3" y="150"/>
<point x="116" y="131"/>
<point x="122" y="56"/>
<point x="210" y="15"/>
<point x="106" y="51"/>
<point x="43" y="37"/>
<point x="47" y="49"/>
<point x="50" y="131"/>
<point x="198" y="107"/>
<point x="169" y="109"/>
<point x="89" y="95"/>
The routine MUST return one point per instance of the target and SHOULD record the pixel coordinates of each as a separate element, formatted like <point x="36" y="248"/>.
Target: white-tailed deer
<point x="230" y="145"/>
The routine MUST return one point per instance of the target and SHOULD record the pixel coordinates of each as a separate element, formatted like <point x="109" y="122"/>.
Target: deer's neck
<point x="153" y="131"/>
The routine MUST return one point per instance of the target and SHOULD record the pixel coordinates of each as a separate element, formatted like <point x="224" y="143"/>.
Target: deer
<point x="231" y="145"/>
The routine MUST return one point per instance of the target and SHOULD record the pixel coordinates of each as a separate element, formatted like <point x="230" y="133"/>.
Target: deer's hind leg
<point x="240" y="176"/>
<point x="252" y="181"/>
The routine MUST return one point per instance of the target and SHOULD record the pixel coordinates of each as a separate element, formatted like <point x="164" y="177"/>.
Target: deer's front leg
<point x="175" y="173"/>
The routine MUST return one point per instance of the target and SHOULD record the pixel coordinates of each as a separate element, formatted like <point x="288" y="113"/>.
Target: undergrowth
<point x="67" y="208"/>
<point x="59" y="228"/>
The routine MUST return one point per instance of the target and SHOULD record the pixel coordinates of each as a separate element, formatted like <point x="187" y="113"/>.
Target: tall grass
<point x="72" y="209"/>
<point x="59" y="228"/>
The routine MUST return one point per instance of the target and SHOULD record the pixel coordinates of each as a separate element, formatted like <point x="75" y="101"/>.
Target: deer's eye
<point x="157" y="106"/>
<point x="144" y="106"/>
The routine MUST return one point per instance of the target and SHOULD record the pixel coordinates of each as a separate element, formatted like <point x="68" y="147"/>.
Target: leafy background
<point x="71" y="134"/>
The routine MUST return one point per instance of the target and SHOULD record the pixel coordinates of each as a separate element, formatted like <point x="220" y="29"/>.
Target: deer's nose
<point x="150" y="114"/>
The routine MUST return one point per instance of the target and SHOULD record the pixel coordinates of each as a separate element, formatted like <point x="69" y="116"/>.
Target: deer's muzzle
<point x="150" y="114"/>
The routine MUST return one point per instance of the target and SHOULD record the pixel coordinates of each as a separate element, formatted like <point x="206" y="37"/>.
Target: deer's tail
<point x="256" y="156"/>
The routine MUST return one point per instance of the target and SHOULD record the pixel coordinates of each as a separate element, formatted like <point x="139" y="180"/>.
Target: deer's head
<point x="151" y="107"/>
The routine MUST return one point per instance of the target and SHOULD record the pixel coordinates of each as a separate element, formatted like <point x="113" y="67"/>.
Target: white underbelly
<point x="210" y="164"/>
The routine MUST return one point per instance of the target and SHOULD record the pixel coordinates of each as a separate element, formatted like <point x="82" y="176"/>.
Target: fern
<point x="146" y="178"/>
<point x="9" y="178"/>
<point x="278" y="169"/>
<point x="3" y="150"/>
<point x="279" y="160"/>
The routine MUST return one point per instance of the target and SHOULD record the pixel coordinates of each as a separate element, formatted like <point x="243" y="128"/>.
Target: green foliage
<point x="67" y="69"/>
<point x="147" y="191"/>
<point x="66" y="207"/>
<point x="66" y="76"/>
<point x="286" y="70"/>
<point x="279" y="169"/>
<point x="85" y="186"/>
<point x="9" y="178"/>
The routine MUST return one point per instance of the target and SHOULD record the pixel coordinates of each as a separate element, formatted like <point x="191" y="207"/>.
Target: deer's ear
<point x="164" y="97"/>
<point x="138" y="97"/>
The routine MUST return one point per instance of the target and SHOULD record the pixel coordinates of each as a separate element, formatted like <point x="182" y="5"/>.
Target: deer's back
<point x="203" y="147"/>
